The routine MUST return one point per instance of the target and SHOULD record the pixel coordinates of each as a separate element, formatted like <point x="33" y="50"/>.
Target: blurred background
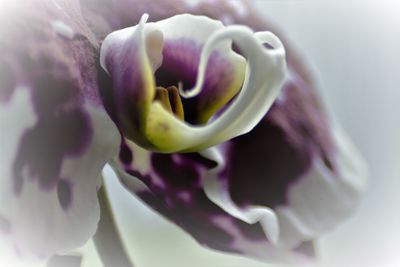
<point x="354" y="49"/>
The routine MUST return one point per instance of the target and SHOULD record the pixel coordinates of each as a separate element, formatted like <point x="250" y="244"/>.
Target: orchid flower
<point x="206" y="123"/>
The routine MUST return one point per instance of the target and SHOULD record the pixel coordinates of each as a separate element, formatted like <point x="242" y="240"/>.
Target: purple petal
<point x="56" y="136"/>
<point x="105" y="16"/>
<point x="172" y="185"/>
<point x="181" y="58"/>
<point x="283" y="146"/>
<point x="124" y="57"/>
<point x="132" y="55"/>
<point x="294" y="165"/>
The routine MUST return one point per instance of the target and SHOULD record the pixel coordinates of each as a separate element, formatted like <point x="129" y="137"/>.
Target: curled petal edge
<point x="265" y="74"/>
<point x="249" y="107"/>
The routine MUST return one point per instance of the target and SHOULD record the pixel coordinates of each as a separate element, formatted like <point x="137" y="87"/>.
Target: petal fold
<point x="147" y="122"/>
<point x="125" y="56"/>
<point x="172" y="184"/>
<point x="315" y="202"/>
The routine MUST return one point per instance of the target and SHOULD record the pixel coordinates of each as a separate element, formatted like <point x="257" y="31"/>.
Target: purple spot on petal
<point x="193" y="219"/>
<point x="60" y="76"/>
<point x="64" y="193"/>
<point x="268" y="46"/>
<point x="62" y="129"/>
<point x="263" y="164"/>
<point x="182" y="200"/>
<point x="261" y="167"/>
<point x="125" y="154"/>
<point x="186" y="197"/>
<point x="182" y="175"/>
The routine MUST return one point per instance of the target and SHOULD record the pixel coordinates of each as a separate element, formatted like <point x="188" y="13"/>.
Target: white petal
<point x="146" y="36"/>
<point x="265" y="75"/>
<point x="45" y="221"/>
<point x="321" y="199"/>
<point x="266" y="70"/>
<point x="318" y="202"/>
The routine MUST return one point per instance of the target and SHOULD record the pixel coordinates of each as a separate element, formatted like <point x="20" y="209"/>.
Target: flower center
<point x="170" y="100"/>
<point x="175" y="118"/>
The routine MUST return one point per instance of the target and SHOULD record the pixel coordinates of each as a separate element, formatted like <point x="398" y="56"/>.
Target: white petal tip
<point x="144" y="18"/>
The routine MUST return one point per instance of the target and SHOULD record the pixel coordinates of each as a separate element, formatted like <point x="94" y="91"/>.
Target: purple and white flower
<point x="178" y="108"/>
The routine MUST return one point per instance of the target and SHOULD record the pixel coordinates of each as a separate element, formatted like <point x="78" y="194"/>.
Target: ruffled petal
<point x="304" y="178"/>
<point x="124" y="55"/>
<point x="308" y="205"/>
<point x="55" y="135"/>
<point x="265" y="74"/>
<point x="172" y="184"/>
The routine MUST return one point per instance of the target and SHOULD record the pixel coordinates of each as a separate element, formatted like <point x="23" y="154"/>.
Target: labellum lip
<point x="154" y="117"/>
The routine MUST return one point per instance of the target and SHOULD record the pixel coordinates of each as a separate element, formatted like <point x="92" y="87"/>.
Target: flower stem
<point x="107" y="240"/>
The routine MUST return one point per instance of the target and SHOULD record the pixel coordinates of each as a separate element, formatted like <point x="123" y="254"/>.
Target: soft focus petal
<point x="173" y="185"/>
<point x="304" y="178"/>
<point x="105" y="16"/>
<point x="55" y="135"/>
<point x="293" y="209"/>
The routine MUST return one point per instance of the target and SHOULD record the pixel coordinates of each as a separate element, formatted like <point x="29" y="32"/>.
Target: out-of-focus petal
<point x="292" y="209"/>
<point x="105" y="16"/>
<point x="55" y="135"/>
<point x="173" y="185"/>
